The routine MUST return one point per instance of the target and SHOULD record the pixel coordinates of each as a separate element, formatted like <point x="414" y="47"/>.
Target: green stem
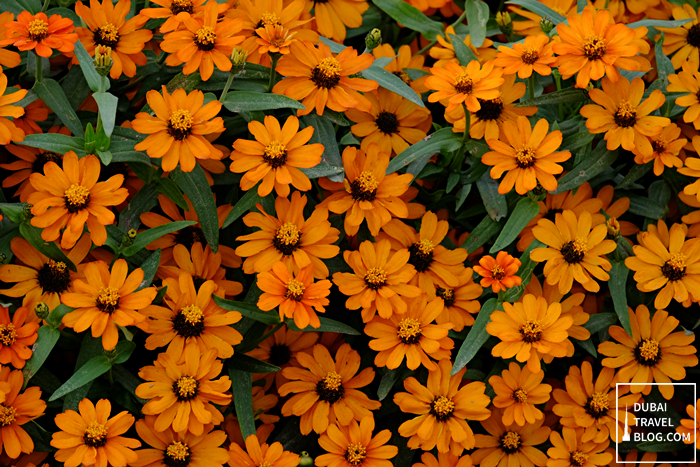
<point x="228" y="83"/>
<point x="273" y="74"/>
<point x="531" y="86"/>
<point x="557" y="83"/>
<point x="460" y="19"/>
<point x="456" y="164"/>
<point x="161" y="58"/>
<point x="46" y="6"/>
<point x="425" y="49"/>
<point x="467" y="124"/>
<point x="39" y="68"/>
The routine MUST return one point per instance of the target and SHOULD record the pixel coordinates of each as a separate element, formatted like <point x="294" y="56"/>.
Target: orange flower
<point x="444" y="51"/>
<point x="443" y="409"/>
<point x="653" y="353"/>
<point x="289" y="238"/>
<point x="8" y="58"/>
<point x="192" y="319"/>
<point x="378" y="281"/>
<point x="530" y="329"/>
<point x="460" y="302"/>
<point x="203" y="43"/>
<point x="16" y="337"/>
<point x="9" y="133"/>
<point x="171" y="10"/>
<point x="71" y="196"/>
<point x="411" y="335"/>
<point x="176" y="131"/>
<point x="681" y="39"/>
<point x="274" y="39"/>
<point x="687" y="81"/>
<point x="464" y="85"/>
<point x="319" y="79"/>
<point x="535" y="54"/>
<point x="354" y="446"/>
<point x="276" y="156"/>
<point x="401" y="61"/>
<point x="333" y="16"/>
<point x="296" y="295"/>
<point x="171" y="449"/>
<point x="499" y="273"/>
<point x="519" y="391"/>
<point x="666" y="147"/>
<point x="571" y="451"/>
<point x="16" y="410"/>
<point x="444" y="459"/>
<point x="91" y="437"/>
<point x="326" y="391"/>
<point x="107" y="300"/>
<point x="42" y="34"/>
<point x="35" y="112"/>
<point x="593" y="46"/>
<point x="690" y="427"/>
<point x="528" y="157"/>
<point x="261" y="454"/>
<point x="181" y="395"/>
<point x="367" y="192"/>
<point x="107" y="27"/>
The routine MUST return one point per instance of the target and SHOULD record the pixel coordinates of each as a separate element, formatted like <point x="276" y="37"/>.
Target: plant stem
<point x="557" y="83"/>
<point x="46" y="6"/>
<point x="531" y="86"/>
<point x="161" y="58"/>
<point x="273" y="74"/>
<point x="231" y="74"/>
<point x="467" y="124"/>
<point x="39" y="68"/>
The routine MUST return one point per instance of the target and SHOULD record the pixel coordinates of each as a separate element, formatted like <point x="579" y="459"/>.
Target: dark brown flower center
<point x="647" y="352"/>
<point x="205" y="39"/>
<point x="404" y="76"/>
<point x="625" y="115"/>
<point x="510" y="442"/>
<point x="287" y="239"/>
<point x="694" y="35"/>
<point x="364" y="187"/>
<point x="330" y="389"/>
<point x="189" y="322"/>
<point x="421" y="254"/>
<point x="578" y="458"/>
<point x="275" y="154"/>
<point x="181" y="6"/>
<point x="574" y="251"/>
<point x="355" y="454"/>
<point x="409" y="331"/>
<point x="185" y="388"/>
<point x="280" y="354"/>
<point x="54" y="277"/>
<point x="597" y="405"/>
<point x="674" y="268"/>
<point x="442" y="408"/>
<point x="490" y="109"/>
<point x="76" y="198"/>
<point x="95" y="435"/>
<point x="180" y="124"/>
<point x="107" y="35"/>
<point x="189" y="236"/>
<point x="43" y="157"/>
<point x="375" y="278"/>
<point x="525" y="157"/>
<point x="531" y="331"/>
<point x="327" y="73"/>
<point x="447" y="295"/>
<point x="464" y="84"/>
<point x="177" y="454"/>
<point x="530" y="55"/>
<point x="387" y="122"/>
<point x="594" y="47"/>
<point x="107" y="300"/>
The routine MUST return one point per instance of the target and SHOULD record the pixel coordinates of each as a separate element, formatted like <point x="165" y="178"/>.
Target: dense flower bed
<point x="270" y="233"/>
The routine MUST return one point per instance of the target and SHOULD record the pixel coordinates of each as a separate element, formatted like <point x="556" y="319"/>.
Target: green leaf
<point x="13" y="211"/>
<point x="477" y="17"/>
<point x="243" y="362"/>
<point x="147" y="236"/>
<point x="335" y="47"/>
<point x="600" y="321"/>
<point x="635" y="173"/>
<point x="53" y="96"/>
<point x="323" y="170"/>
<point x="248" y="310"/>
<point x="565" y="96"/>
<point x="87" y="65"/>
<point x="245" y="204"/>
<point x="661" y="446"/>
<point x="577" y="141"/>
<point x="46" y="340"/>
<point x="56" y="316"/>
<point x="663" y="63"/>
<point x="495" y="203"/>
<point x="107" y="104"/>
<point x="393" y="83"/>
<point x="646" y="207"/>
<point x="618" y="291"/>
<point x="95" y="367"/>
<point x="658" y="23"/>
<point x="524" y="212"/>
<point x="168" y="188"/>
<point x="150" y="267"/>
<point x="18" y="6"/>
<point x="597" y="161"/>
<point x="482" y="233"/>
<point x="143" y="201"/>
<point x="242" y="388"/>
<point x="194" y="184"/>
<point x="50" y="250"/>
<point x="410" y="17"/>
<point x="527" y="266"/>
<point x="540" y="9"/>
<point x="389" y="379"/>
<point x="462" y="51"/>
<point x="327" y="325"/>
<point x="325" y="134"/>
<point x="242" y="101"/>
<point x="477" y="335"/>
<point x="442" y="140"/>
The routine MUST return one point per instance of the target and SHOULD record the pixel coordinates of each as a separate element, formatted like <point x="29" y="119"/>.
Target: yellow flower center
<point x="179" y="452"/>
<point x="530" y="55"/>
<point x="375" y="278"/>
<point x="498" y="273"/>
<point x="8" y="334"/>
<point x="597" y="405"/>
<point x="95" y="435"/>
<point x="525" y="157"/>
<point x="180" y="6"/>
<point x="442" y="408"/>
<point x="180" y="124"/>
<point x="355" y="454"/>
<point x="330" y="388"/>
<point x="409" y="331"/>
<point x="421" y="254"/>
<point x="659" y="144"/>
<point x="519" y="395"/>
<point x="205" y="38"/>
<point x="7" y="415"/>
<point x="647" y="352"/>
<point x="575" y="250"/>
<point x="578" y="458"/>
<point x="447" y="295"/>
<point x="268" y="19"/>
<point x="531" y="331"/>
<point x="364" y="187"/>
<point x="287" y="238"/>
<point x="107" y="299"/>
<point x="275" y="154"/>
<point x="625" y="115"/>
<point x="464" y="84"/>
<point x="674" y="268"/>
<point x="594" y="47"/>
<point x="76" y="197"/>
<point x="192" y="314"/>
<point x="185" y="388"/>
<point x="295" y="290"/>
<point x="38" y="30"/>
<point x="107" y="35"/>
<point x="510" y="442"/>
<point x="327" y="73"/>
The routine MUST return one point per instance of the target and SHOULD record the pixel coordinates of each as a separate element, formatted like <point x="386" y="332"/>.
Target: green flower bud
<point x="373" y="39"/>
<point x="41" y="309"/>
<point x="305" y="460"/>
<point x="546" y="25"/>
<point x="239" y="56"/>
<point x="103" y="59"/>
<point x="505" y="24"/>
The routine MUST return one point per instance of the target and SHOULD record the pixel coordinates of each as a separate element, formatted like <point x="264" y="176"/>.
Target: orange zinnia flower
<point x="42" y="34"/>
<point x="354" y="445"/>
<point x="653" y="353"/>
<point x="402" y="60"/>
<point x="192" y="319"/>
<point x="682" y="39"/>
<point x="535" y="54"/>
<point x="530" y="329"/>
<point x="411" y="335"/>
<point x="594" y="405"/>
<point x="444" y="459"/>
<point x="35" y="112"/>
<point x="519" y="391"/>
<point x="289" y="238"/>
<point x="108" y="28"/>
<point x="690" y="427"/>
<point x="460" y="302"/>
<point x="90" y="437"/>
<point x="571" y="451"/>
<point x="71" y="196"/>
<point x="367" y="192"/>
<point x="171" y="10"/>
<point x="444" y="50"/>
<point x="9" y="133"/>
<point x="527" y="155"/>
<point x="320" y="79"/>
<point x="171" y="449"/>
<point x="499" y="273"/>
<point x="107" y="300"/>
<point x="261" y="454"/>
<point x="8" y="58"/>
<point x="16" y="410"/>
<point x="593" y="46"/>
<point x="176" y="131"/>
<point x="181" y="395"/>
<point x="378" y="281"/>
<point x="276" y="156"/>
<point x="464" y="85"/>
<point x="31" y="160"/>
<point x="687" y="81"/>
<point x="443" y="409"/>
<point x="326" y="391"/>
<point x="666" y="147"/>
<point x="333" y="16"/>
<point x="622" y="115"/>
<point x="296" y="295"/>
<point x="274" y="39"/>
<point x="16" y="337"/>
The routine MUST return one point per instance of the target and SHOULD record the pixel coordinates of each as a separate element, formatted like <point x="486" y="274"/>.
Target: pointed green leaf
<point x="53" y="96"/>
<point x="477" y="17"/>
<point x="87" y="65"/>
<point x="597" y="161"/>
<point x="50" y="250"/>
<point x="245" y="204"/>
<point x="46" y="340"/>
<point x="442" y="140"/>
<point x="107" y="104"/>
<point x="393" y="83"/>
<point x="194" y="184"/>
<point x="495" y="203"/>
<point x="95" y="367"/>
<point x="242" y="388"/>
<point x="524" y="212"/>
<point x="248" y="310"/>
<point x="618" y="291"/>
<point x="540" y="9"/>
<point x="327" y="325"/>
<point x="243" y="362"/>
<point x="462" y="51"/>
<point x="242" y="101"/>
<point x="565" y="96"/>
<point x="477" y="336"/>
<point x="148" y="236"/>
<point x="410" y="17"/>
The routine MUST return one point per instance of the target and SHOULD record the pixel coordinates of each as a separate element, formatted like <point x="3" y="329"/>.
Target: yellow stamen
<point x="355" y="454"/>
<point x="295" y="290"/>
<point x="409" y="331"/>
<point x="205" y="38"/>
<point x="7" y="415"/>
<point x="185" y="387"/>
<point x="77" y="197"/>
<point x="332" y="381"/>
<point x="375" y="278"/>
<point x="520" y="395"/>
<point x="95" y="435"/>
<point x="594" y="47"/>
<point x="193" y="314"/>
<point x="531" y="331"/>
<point x="178" y="451"/>
<point x="38" y="30"/>
<point x="108" y="299"/>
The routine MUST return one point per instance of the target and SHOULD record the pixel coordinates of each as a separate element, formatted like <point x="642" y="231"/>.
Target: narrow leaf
<point x="168" y="188"/>
<point x="53" y="96"/>
<point x="442" y="140"/>
<point x="481" y="234"/>
<point x="46" y="340"/>
<point x="242" y="388"/>
<point x="245" y="204"/>
<point x="393" y="83"/>
<point x="95" y="367"/>
<point x="87" y="65"/>
<point x="524" y="212"/>
<point x="462" y="51"/>
<point x="600" y="321"/>
<point x="477" y="335"/>
<point x="150" y="267"/>
<point x="327" y="325"/>
<point x="242" y="101"/>
<point x="565" y="96"/>
<point x="527" y="265"/>
<point x="618" y="291"/>
<point x="243" y="362"/>
<point x="410" y="17"/>
<point x="148" y="236"/>
<point x="539" y="8"/>
<point x="495" y="203"/>
<point x="248" y="310"/>
<point x="50" y="250"/>
<point x="56" y="316"/>
<point x="599" y="160"/>
<point x="477" y="17"/>
<point x="194" y="184"/>
<point x="107" y="104"/>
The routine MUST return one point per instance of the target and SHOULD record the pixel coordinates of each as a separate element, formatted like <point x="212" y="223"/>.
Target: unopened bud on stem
<point x="373" y="40"/>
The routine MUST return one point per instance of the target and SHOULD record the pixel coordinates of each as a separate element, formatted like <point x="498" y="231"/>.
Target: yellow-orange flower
<point x="666" y="146"/>
<point x="690" y="427"/>
<point x="687" y="81"/>
<point x="274" y="39"/>
<point x="16" y="337"/>
<point x="258" y="454"/>
<point x="171" y="10"/>
<point x="41" y="33"/>
<point x="8" y="58"/>
<point x="9" y="132"/>
<point x="354" y="446"/>
<point x="569" y="450"/>
<point x="334" y="16"/>
<point x="518" y="392"/>
<point x="464" y="85"/>
<point x="535" y="54"/>
<point x="459" y="302"/>
<point x="401" y="61"/>
<point x="16" y="410"/>
<point x="444" y="459"/>
<point x="683" y="39"/>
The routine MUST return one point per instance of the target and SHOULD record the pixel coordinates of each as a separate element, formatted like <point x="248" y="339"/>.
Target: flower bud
<point x="546" y="25"/>
<point x="373" y="39"/>
<point x="504" y="22"/>
<point x="41" y="309"/>
<point x="103" y="59"/>
<point x="239" y="56"/>
<point x="613" y="227"/>
<point x="305" y="460"/>
<point x="132" y="233"/>
<point x="538" y="193"/>
<point x="27" y="212"/>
